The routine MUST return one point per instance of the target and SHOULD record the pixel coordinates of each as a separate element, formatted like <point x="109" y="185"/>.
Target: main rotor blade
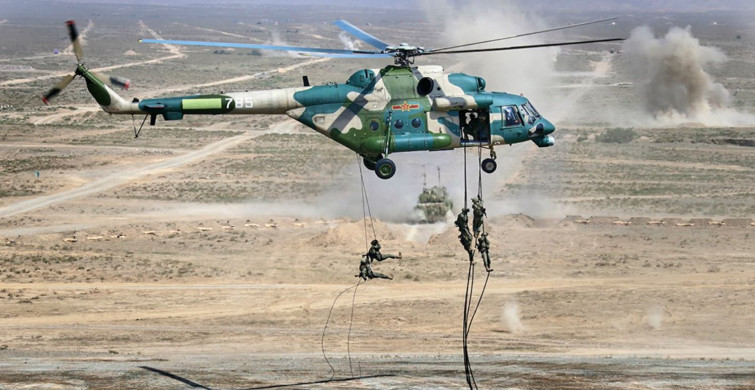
<point x="525" y="34"/>
<point x="355" y="55"/>
<point x="73" y="33"/>
<point x="521" y="47"/>
<point x="257" y="46"/>
<point x="357" y="32"/>
<point x="60" y="86"/>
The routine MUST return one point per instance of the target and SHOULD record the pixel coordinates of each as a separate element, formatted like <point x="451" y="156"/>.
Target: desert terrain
<point x="220" y="252"/>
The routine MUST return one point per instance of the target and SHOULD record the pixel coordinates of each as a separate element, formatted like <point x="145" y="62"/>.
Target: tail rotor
<point x="81" y="70"/>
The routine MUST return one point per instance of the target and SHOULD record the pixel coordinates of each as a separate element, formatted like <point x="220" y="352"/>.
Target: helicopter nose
<point x="548" y="127"/>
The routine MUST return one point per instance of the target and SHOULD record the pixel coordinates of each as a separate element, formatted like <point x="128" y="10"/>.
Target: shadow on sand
<point x="280" y="386"/>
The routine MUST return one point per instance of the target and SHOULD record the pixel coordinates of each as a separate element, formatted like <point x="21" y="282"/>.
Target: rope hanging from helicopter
<point x="327" y="321"/>
<point x="469" y="292"/>
<point x="366" y="212"/>
<point x="365" y="207"/>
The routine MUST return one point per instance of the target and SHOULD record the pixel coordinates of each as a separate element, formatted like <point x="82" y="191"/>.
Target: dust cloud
<point x="654" y="317"/>
<point x="394" y="200"/>
<point x="529" y="72"/>
<point x="510" y="319"/>
<point x="348" y="43"/>
<point x="670" y="75"/>
<point x="391" y="200"/>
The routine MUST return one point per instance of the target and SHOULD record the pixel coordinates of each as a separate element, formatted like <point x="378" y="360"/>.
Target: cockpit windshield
<point x="530" y="109"/>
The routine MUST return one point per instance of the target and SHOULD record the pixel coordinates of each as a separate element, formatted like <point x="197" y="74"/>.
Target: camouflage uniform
<point x="365" y="270"/>
<point x="462" y="222"/>
<point x="374" y="253"/>
<point x="479" y="212"/>
<point x="483" y="245"/>
<point x="365" y="266"/>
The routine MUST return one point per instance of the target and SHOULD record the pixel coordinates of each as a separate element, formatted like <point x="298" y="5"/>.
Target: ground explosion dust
<point x="670" y="77"/>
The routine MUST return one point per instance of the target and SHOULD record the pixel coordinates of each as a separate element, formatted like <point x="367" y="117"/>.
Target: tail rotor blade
<point x="120" y="81"/>
<point x="73" y="33"/>
<point x="115" y="80"/>
<point x="60" y="86"/>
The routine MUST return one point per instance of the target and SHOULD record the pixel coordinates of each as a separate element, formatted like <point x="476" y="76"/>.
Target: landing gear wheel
<point x="385" y="168"/>
<point x="370" y="163"/>
<point x="489" y="165"/>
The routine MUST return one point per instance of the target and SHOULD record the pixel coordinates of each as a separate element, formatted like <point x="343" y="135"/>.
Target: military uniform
<point x="478" y="212"/>
<point x="365" y="266"/>
<point x="462" y="222"/>
<point x="374" y="252"/>
<point x="483" y="245"/>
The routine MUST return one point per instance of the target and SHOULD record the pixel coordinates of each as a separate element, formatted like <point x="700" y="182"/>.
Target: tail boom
<point x="110" y="101"/>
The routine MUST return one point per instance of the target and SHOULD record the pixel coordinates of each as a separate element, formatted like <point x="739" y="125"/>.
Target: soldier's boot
<point x="488" y="269"/>
<point x="399" y="256"/>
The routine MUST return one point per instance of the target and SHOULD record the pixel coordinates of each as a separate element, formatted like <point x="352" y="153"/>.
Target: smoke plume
<point x="530" y="72"/>
<point x="670" y="75"/>
<point x="348" y="43"/>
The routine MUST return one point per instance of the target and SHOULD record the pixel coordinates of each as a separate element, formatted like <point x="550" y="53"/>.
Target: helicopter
<point x="376" y="112"/>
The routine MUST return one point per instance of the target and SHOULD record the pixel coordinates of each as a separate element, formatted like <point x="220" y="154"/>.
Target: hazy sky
<point x="564" y="5"/>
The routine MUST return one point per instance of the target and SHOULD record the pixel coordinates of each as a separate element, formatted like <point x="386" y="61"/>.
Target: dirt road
<point x="124" y="176"/>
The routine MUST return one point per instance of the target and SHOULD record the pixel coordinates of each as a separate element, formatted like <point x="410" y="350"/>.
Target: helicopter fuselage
<point x="374" y="113"/>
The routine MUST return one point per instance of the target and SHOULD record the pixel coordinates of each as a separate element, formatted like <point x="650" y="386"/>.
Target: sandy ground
<point x="106" y="282"/>
<point x="636" y="306"/>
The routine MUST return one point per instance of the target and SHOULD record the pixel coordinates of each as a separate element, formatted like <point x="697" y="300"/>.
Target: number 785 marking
<point x="244" y="102"/>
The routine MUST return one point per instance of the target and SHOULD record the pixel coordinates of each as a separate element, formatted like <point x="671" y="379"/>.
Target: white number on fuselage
<point x="244" y="102"/>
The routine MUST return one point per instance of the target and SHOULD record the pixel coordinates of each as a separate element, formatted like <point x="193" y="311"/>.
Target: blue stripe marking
<point x="355" y="31"/>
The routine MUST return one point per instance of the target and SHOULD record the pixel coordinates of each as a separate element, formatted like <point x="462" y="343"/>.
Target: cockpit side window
<point x="511" y="116"/>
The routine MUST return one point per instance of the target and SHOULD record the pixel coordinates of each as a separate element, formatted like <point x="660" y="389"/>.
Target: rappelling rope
<point x="366" y="211"/>
<point x="479" y="195"/>
<point x="327" y="321"/>
<point x="366" y="208"/>
<point x="465" y="339"/>
<point x="351" y="322"/>
<point x="468" y="296"/>
<point x="479" y="176"/>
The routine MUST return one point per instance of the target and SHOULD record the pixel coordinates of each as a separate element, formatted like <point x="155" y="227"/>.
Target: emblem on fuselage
<point x="406" y="107"/>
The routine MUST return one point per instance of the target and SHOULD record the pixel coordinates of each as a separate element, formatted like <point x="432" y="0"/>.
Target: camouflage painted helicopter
<point x="399" y="108"/>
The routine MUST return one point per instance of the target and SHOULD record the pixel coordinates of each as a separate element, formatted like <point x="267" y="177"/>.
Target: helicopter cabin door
<point x="475" y="125"/>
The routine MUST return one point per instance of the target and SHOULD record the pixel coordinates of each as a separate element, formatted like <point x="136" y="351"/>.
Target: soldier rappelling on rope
<point x="374" y="254"/>
<point x="483" y="246"/>
<point x="465" y="237"/>
<point x="478" y="212"/>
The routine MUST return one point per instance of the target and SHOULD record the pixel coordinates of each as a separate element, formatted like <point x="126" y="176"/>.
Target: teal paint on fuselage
<point x="451" y="124"/>
<point x="469" y="84"/>
<point x="325" y="94"/>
